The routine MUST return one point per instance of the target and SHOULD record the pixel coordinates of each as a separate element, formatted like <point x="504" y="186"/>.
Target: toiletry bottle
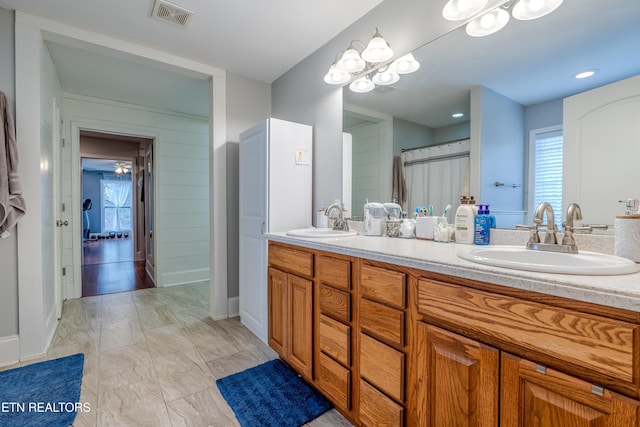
<point x="482" y="226"/>
<point x="464" y="223"/>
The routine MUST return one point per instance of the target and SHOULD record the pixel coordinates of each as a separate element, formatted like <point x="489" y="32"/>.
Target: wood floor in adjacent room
<point x="109" y="268"/>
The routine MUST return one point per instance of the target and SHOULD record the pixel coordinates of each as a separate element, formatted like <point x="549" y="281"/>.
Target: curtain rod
<point x="434" y="145"/>
<point x="437" y="158"/>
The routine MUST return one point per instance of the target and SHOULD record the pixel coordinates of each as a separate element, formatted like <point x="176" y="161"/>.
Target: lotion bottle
<point x="464" y="223"/>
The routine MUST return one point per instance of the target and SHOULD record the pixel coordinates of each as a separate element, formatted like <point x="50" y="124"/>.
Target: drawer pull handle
<point x="597" y="390"/>
<point x="541" y="369"/>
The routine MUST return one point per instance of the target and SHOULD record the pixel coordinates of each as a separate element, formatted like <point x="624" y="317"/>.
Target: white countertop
<point x="621" y="291"/>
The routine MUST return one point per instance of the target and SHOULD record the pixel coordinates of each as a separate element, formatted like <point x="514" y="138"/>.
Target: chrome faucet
<point x="550" y="239"/>
<point x="575" y="213"/>
<point x="550" y="234"/>
<point x="340" y="223"/>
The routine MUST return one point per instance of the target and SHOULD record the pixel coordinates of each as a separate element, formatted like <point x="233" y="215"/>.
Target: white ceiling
<point x="256" y="39"/>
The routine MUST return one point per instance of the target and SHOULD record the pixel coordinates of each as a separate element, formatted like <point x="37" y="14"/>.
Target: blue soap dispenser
<point x="482" y="228"/>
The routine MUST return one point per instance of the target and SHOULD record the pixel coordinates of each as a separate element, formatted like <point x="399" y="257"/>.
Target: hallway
<point x="108" y="268"/>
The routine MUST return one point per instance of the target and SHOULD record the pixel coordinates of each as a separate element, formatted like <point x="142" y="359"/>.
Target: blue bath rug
<point x="272" y="395"/>
<point x="42" y="394"/>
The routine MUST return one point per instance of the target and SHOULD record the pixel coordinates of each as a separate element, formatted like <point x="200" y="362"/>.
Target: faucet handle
<point x="588" y="228"/>
<point x="534" y="237"/>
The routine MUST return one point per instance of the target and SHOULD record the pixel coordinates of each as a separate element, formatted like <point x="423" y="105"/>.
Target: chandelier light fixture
<point x="351" y="64"/>
<point x="495" y="19"/>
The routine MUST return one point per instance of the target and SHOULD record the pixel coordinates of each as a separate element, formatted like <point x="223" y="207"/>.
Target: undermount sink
<point x="320" y="232"/>
<point x="520" y="258"/>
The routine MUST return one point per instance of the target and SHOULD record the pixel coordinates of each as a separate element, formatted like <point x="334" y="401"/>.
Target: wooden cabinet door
<point x="277" y="295"/>
<point x="460" y="377"/>
<point x="535" y="396"/>
<point x="299" y="348"/>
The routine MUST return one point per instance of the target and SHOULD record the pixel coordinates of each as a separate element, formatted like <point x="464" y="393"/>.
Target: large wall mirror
<point x="509" y="87"/>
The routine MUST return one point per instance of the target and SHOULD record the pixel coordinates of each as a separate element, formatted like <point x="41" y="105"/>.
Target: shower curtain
<point x="436" y="175"/>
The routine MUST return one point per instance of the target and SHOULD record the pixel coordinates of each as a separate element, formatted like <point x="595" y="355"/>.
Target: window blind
<point x="548" y="170"/>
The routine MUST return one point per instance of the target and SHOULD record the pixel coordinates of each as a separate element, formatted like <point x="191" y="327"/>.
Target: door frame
<point x="30" y="33"/>
<point x="76" y="187"/>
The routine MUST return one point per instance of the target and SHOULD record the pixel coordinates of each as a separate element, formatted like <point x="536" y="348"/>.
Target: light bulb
<point x="362" y="85"/>
<point x="405" y="64"/>
<point x="533" y="9"/>
<point x="488" y="23"/>
<point x="456" y="10"/>
<point x="336" y="76"/>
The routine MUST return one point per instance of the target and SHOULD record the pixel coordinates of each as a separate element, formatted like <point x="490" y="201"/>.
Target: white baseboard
<point x="9" y="350"/>
<point x="182" y="277"/>
<point x="233" y="306"/>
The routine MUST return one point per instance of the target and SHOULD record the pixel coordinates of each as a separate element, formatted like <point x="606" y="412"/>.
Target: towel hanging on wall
<point x="12" y="206"/>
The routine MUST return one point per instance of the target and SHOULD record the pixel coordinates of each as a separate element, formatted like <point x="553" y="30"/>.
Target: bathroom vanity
<point x="403" y="332"/>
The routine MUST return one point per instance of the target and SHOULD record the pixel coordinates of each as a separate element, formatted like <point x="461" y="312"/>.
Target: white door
<point x="601" y="127"/>
<point x="252" y="222"/>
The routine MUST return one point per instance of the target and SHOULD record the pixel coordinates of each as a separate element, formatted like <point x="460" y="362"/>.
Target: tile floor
<point x="152" y="357"/>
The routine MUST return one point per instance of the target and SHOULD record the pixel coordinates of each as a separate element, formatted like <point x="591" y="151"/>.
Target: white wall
<point x="8" y="246"/>
<point x="181" y="153"/>
<point x="498" y="155"/>
<point x="407" y="135"/>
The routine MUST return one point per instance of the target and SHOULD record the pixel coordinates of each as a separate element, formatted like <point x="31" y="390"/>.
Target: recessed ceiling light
<point x="457" y="115"/>
<point x="585" y="74"/>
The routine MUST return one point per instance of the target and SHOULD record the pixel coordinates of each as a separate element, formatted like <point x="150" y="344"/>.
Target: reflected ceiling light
<point x="385" y="76"/>
<point x="405" y="64"/>
<point x="377" y="50"/>
<point x="362" y="85"/>
<point x="457" y="115"/>
<point x="488" y="23"/>
<point x="121" y="167"/>
<point x="336" y="76"/>
<point x="351" y="64"/>
<point x="456" y="10"/>
<point x="493" y="20"/>
<point x="533" y="9"/>
<point x="585" y="74"/>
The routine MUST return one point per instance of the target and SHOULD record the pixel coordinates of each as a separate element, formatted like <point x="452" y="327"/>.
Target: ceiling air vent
<point x="172" y="13"/>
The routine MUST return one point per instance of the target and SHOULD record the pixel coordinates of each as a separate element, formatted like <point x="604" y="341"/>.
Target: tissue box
<point x="424" y="227"/>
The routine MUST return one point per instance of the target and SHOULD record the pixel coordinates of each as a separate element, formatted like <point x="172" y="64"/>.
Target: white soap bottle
<point x="465" y="221"/>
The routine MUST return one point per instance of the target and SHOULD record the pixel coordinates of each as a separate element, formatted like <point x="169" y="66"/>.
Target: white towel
<point x="12" y="206"/>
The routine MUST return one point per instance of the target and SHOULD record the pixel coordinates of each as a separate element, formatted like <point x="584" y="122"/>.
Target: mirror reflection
<point x="494" y="99"/>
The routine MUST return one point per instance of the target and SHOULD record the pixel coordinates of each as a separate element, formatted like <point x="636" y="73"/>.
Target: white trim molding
<point x="9" y="350"/>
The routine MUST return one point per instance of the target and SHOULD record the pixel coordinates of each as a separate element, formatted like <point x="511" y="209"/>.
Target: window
<point x="116" y="204"/>
<point x="546" y="168"/>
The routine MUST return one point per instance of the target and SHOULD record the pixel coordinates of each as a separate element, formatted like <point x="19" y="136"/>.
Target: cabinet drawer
<point x="382" y="366"/>
<point x="382" y="285"/>
<point x="335" y="381"/>
<point x="333" y="271"/>
<point x="592" y="342"/>
<point x="376" y="409"/>
<point x="291" y="260"/>
<point x="382" y="322"/>
<point x="335" y="339"/>
<point x="335" y="303"/>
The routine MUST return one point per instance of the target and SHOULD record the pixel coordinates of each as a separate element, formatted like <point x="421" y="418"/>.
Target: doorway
<point x="116" y="192"/>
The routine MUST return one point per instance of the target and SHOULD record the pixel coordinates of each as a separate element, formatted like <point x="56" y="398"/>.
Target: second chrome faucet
<point x="568" y="244"/>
